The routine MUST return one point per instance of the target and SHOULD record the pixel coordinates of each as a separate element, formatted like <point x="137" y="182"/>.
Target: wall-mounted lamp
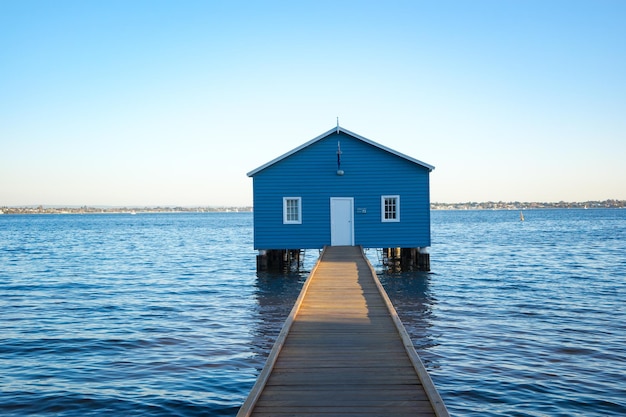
<point x="339" y="170"/>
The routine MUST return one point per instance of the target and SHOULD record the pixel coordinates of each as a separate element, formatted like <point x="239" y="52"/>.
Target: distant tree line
<point x="517" y="205"/>
<point x="129" y="210"/>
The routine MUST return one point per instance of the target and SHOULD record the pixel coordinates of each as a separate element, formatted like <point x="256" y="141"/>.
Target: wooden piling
<point x="279" y="260"/>
<point x="406" y="259"/>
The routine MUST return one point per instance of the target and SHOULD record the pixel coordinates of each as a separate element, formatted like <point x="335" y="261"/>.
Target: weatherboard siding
<point x="370" y="172"/>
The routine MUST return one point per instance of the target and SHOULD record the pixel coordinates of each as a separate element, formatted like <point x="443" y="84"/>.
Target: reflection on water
<point x="275" y="294"/>
<point x="411" y="296"/>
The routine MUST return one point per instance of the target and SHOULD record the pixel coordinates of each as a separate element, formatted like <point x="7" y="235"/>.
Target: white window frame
<point x="383" y="208"/>
<point x="286" y="213"/>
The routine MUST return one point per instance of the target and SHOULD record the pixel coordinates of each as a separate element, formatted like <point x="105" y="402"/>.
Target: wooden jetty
<point x="343" y="351"/>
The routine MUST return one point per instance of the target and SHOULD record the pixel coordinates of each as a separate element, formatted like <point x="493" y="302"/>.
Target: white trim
<point x="347" y="132"/>
<point x="382" y="208"/>
<point x="285" y="212"/>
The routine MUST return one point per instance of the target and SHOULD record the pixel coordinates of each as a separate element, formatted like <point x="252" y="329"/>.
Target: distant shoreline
<point x="118" y="210"/>
<point x="489" y="205"/>
<point x="517" y="205"/>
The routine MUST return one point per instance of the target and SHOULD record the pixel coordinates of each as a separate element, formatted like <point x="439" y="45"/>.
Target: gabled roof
<point x="339" y="129"/>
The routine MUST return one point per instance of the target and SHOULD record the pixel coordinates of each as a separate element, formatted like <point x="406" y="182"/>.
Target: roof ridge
<point x="337" y="130"/>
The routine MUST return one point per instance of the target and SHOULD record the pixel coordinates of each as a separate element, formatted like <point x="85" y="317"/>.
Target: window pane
<point x="292" y="210"/>
<point x="390" y="208"/>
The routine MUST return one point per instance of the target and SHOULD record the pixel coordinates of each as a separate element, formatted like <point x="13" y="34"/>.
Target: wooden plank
<point x="364" y="407"/>
<point x="341" y="376"/>
<point x="333" y="394"/>
<point x="347" y="356"/>
<point x="335" y="412"/>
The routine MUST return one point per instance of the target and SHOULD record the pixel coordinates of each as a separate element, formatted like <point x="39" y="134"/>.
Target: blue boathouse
<point x="341" y="189"/>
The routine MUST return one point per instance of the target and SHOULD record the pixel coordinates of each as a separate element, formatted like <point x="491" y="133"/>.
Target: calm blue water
<point x="164" y="315"/>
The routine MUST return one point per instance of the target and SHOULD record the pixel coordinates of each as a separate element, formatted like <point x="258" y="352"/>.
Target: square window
<point x="390" y="208"/>
<point x="292" y="210"/>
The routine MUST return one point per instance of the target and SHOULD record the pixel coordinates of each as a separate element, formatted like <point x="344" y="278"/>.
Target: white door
<point x="341" y="221"/>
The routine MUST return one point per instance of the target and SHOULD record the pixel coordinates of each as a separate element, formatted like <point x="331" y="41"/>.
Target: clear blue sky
<point x="172" y="102"/>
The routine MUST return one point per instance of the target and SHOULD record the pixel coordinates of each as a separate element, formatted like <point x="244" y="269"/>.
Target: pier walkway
<point x="343" y="351"/>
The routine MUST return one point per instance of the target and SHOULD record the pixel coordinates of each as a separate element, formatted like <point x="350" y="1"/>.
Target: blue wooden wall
<point x="369" y="173"/>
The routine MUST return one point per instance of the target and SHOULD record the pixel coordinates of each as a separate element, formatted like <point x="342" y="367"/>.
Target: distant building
<point x="341" y="189"/>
